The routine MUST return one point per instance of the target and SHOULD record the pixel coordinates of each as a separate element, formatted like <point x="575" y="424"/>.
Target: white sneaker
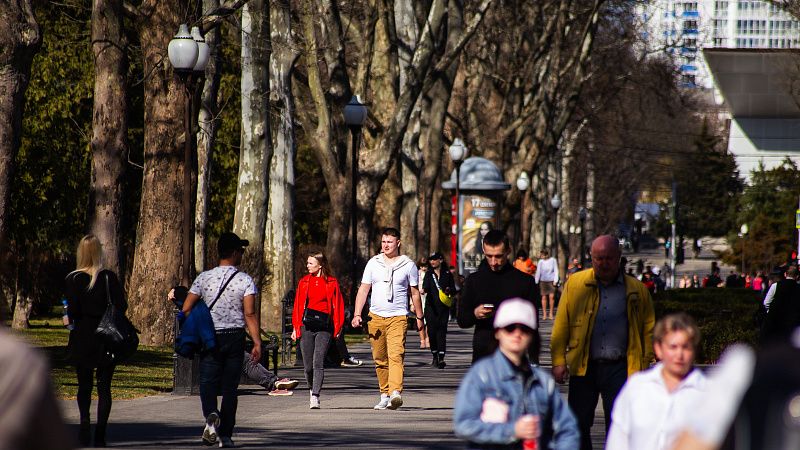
<point x="210" y="431"/>
<point x="313" y="402"/>
<point x="395" y="401"/>
<point x="384" y="403"/>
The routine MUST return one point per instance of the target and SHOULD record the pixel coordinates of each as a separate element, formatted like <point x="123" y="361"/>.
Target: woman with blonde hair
<point x="88" y="289"/>
<point x="318" y="315"/>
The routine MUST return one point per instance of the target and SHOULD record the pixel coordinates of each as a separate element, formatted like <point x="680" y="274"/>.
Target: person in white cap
<point x="489" y="410"/>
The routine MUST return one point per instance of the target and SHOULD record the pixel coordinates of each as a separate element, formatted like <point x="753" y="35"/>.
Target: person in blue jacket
<point x="504" y="401"/>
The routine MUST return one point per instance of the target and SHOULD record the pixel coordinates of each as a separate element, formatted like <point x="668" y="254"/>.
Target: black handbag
<point x="315" y="320"/>
<point x="120" y="337"/>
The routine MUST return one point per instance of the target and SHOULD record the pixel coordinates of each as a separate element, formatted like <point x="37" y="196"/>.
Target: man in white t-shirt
<point x="230" y="294"/>
<point x="392" y="277"/>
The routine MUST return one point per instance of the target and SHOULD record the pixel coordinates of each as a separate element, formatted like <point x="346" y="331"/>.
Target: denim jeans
<point x="602" y="379"/>
<point x="220" y="370"/>
<point x="314" y="347"/>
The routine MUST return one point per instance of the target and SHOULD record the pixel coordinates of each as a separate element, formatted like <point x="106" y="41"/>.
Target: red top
<point x="323" y="295"/>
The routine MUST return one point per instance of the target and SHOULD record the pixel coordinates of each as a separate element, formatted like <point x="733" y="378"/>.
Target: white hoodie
<point x="390" y="283"/>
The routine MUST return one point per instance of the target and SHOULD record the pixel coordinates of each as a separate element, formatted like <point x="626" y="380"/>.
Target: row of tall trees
<point x="550" y="88"/>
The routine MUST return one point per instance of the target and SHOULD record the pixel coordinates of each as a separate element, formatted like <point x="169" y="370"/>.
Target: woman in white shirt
<point x="651" y="410"/>
<point x="547" y="278"/>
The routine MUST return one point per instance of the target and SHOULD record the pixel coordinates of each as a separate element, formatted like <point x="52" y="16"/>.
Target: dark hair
<point x="495" y="238"/>
<point x="389" y="231"/>
<point x="521" y="253"/>
<point x="545" y="252"/>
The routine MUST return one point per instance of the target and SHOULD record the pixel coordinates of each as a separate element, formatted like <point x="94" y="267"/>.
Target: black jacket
<point x="486" y="286"/>
<point x="784" y="312"/>
<point x="433" y="306"/>
<point x="86" y="307"/>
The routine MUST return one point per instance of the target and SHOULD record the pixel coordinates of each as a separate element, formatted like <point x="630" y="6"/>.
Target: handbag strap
<point x="436" y="280"/>
<point x="330" y="303"/>
<point x="108" y="292"/>
<point x="222" y="289"/>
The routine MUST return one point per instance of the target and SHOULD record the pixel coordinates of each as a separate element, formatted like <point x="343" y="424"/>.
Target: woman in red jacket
<point x="318" y="315"/>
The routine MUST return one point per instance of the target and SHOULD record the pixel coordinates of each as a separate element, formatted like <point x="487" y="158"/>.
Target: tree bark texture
<point x="158" y="256"/>
<point x="109" y="128"/>
<point x="279" y="233"/>
<point x="208" y="123"/>
<point x="20" y="39"/>
<point x="252" y="194"/>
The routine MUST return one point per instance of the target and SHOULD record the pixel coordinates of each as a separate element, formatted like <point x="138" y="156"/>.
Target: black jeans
<point x="220" y="370"/>
<point x="602" y="379"/>
<point x="314" y="346"/>
<point x="105" y="371"/>
<point x="437" y="331"/>
<point x="254" y="371"/>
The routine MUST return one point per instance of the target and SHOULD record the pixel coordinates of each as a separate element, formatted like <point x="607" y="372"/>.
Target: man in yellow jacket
<point x="603" y="332"/>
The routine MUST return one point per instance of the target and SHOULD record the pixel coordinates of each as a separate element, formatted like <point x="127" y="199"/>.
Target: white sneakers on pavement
<point x="313" y="402"/>
<point x="384" y="403"/>
<point x="395" y="400"/>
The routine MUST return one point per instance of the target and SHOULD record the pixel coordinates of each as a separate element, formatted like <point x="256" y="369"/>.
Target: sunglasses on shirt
<point x="518" y="326"/>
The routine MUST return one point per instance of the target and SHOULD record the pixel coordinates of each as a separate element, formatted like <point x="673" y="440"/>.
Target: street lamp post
<point x="744" y="229"/>
<point x="582" y="214"/>
<point x="523" y="183"/>
<point x="189" y="55"/>
<point x="458" y="151"/>
<point x="355" y="114"/>
<point x="555" y="202"/>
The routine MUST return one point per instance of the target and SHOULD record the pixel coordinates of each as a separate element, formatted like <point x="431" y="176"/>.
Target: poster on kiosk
<point x="478" y="217"/>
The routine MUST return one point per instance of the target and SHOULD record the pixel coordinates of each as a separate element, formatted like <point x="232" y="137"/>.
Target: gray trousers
<point x="314" y="347"/>
<point x="258" y="373"/>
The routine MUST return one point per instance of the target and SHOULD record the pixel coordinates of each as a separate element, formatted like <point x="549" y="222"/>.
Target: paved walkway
<point x="345" y="421"/>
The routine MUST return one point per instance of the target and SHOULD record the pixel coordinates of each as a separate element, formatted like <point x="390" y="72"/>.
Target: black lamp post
<point x="555" y="202"/>
<point x="582" y="214"/>
<point x="189" y="55"/>
<point x="523" y="183"/>
<point x="458" y="151"/>
<point x="355" y="114"/>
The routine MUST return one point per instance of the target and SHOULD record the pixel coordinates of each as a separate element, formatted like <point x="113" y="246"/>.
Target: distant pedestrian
<point x="598" y="354"/>
<point x="318" y="315"/>
<point x="484" y="290"/>
<point x="783" y="308"/>
<point x="732" y="280"/>
<point x="507" y="402"/>
<point x="392" y="278"/>
<point x="438" y="281"/>
<point x="685" y="282"/>
<point x="713" y="280"/>
<point x="696" y="283"/>
<point x="652" y="408"/>
<point x="88" y="289"/>
<point x="547" y="279"/>
<point x="234" y="310"/>
<point x="423" y="266"/>
<point x="574" y="266"/>
<point x="523" y="263"/>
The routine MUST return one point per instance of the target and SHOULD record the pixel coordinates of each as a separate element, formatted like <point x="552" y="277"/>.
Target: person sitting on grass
<point x="254" y="371"/>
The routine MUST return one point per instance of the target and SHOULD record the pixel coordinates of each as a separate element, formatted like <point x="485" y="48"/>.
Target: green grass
<point x="148" y="372"/>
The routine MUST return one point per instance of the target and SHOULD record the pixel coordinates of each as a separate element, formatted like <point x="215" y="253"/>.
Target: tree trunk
<point x="158" y="256"/>
<point x="279" y="233"/>
<point x="20" y="39"/>
<point x="433" y="146"/>
<point x="109" y="128"/>
<point x="208" y="124"/>
<point x="252" y="194"/>
<point x="22" y="312"/>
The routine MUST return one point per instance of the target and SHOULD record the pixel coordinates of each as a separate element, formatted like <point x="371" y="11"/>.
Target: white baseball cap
<point x="516" y="310"/>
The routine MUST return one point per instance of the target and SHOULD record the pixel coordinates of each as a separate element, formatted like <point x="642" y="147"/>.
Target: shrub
<point x="725" y="316"/>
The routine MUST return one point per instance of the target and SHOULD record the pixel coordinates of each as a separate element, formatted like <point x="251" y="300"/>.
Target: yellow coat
<point x="574" y="322"/>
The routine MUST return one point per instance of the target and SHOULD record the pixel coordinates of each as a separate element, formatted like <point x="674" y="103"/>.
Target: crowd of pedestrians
<point x="605" y="343"/>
